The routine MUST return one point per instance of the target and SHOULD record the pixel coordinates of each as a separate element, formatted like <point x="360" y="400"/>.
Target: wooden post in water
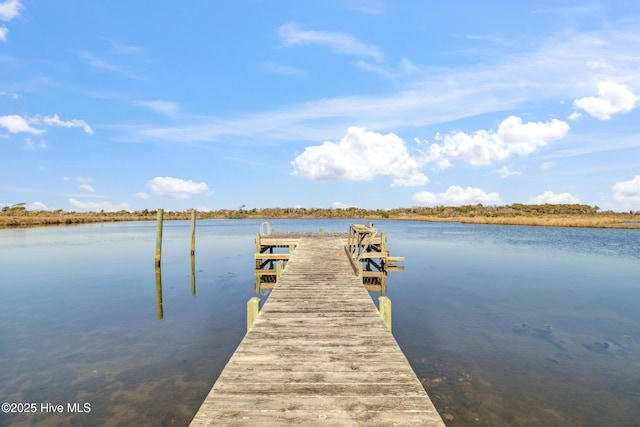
<point x="193" y="232"/>
<point x="383" y="285"/>
<point x="384" y="307"/>
<point x="253" y="308"/>
<point x="159" y="237"/>
<point x="279" y="268"/>
<point x="258" y="249"/>
<point x="258" y="285"/>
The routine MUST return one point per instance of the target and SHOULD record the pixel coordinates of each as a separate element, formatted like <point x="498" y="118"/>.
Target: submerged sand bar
<point x="318" y="353"/>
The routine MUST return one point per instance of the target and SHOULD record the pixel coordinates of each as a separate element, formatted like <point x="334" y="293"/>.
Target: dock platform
<point x="318" y="353"/>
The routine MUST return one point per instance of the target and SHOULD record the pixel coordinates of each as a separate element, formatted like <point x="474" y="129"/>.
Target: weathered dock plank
<point x="318" y="353"/>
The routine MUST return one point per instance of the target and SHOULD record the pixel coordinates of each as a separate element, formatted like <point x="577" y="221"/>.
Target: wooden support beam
<point x="272" y="256"/>
<point x="374" y="255"/>
<point x="265" y="272"/>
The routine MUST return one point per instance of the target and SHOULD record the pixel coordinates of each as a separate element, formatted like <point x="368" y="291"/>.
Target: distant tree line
<point x="465" y="211"/>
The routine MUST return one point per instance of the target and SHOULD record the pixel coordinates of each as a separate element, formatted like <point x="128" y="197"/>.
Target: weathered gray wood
<point x="318" y="353"/>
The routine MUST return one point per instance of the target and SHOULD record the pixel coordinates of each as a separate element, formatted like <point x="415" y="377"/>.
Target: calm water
<point x="505" y="326"/>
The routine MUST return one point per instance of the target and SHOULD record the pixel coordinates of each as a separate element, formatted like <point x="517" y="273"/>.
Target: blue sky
<point x="378" y="104"/>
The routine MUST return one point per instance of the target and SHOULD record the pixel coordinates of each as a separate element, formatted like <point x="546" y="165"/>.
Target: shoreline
<point x="604" y="220"/>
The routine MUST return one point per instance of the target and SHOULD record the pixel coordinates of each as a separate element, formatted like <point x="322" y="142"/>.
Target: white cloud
<point x="599" y="64"/>
<point x="627" y="192"/>
<point x="404" y="68"/>
<point x="340" y="205"/>
<point x="142" y="195"/>
<point x="552" y="198"/>
<point x="370" y="7"/>
<point x="166" y="108"/>
<point x="55" y="121"/>
<point x="124" y="49"/>
<point x="547" y="165"/>
<point x="87" y="187"/>
<point x="554" y="71"/>
<point x="10" y="9"/>
<point x="359" y="156"/>
<point x="513" y="138"/>
<point x="17" y="124"/>
<point x="10" y="95"/>
<point x="342" y="43"/>
<point x="574" y="116"/>
<point x="506" y="171"/>
<point x="612" y="98"/>
<point x="456" y="196"/>
<point x="175" y="188"/>
<point x="101" y="64"/>
<point x="282" y="70"/>
<point x="99" y="206"/>
<point x="37" y="206"/>
<point x="30" y="145"/>
<point x="414" y="180"/>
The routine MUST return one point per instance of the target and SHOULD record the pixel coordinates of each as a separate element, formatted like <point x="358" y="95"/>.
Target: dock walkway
<point x="318" y="353"/>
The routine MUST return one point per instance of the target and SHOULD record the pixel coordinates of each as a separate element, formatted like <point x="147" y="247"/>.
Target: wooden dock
<point x="318" y="353"/>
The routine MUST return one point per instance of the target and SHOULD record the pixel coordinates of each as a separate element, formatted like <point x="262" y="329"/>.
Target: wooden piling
<point x="258" y="249"/>
<point x="253" y="308"/>
<point x="159" y="237"/>
<point x="384" y="306"/>
<point x="383" y="241"/>
<point x="193" y="232"/>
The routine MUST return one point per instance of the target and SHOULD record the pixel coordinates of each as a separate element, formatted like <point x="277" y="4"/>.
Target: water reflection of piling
<point x="159" y="309"/>
<point x="193" y="275"/>
<point x="158" y="257"/>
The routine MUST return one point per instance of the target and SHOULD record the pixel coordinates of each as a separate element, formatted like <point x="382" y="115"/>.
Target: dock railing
<point x="368" y="252"/>
<point x="365" y="246"/>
